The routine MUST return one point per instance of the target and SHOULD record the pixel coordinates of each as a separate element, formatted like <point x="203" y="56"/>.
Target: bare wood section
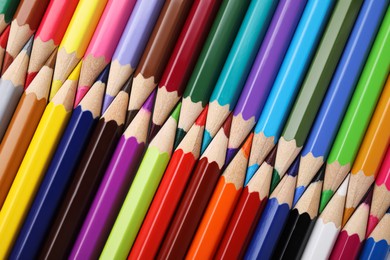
<point x="261" y="180"/>
<point x="140" y="91"/>
<point x="40" y="86"/>
<point x="261" y="147"/>
<point x="192" y="142"/>
<point x="189" y="113"/>
<point x="382" y="230"/>
<point x="165" y="102"/>
<point x="310" y="200"/>
<point x="40" y="53"/>
<point x="381" y="197"/>
<point x="117" y="77"/>
<point x="93" y="99"/>
<point x="65" y="64"/>
<point x="216" y="151"/>
<point x="138" y="128"/>
<point x="164" y="139"/>
<point x="216" y="116"/>
<point x="235" y="171"/>
<point x="357" y="224"/>
<point x="118" y="108"/>
<point x="286" y="154"/>
<point x="358" y="186"/>
<point x="335" y="174"/>
<point x="16" y="72"/>
<point x="308" y="167"/>
<point x="18" y="36"/>
<point x="66" y="94"/>
<point x="240" y="129"/>
<point x="90" y="69"/>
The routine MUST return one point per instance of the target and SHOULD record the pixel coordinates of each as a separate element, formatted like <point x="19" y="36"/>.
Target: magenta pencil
<point x="114" y="186"/>
<point x="103" y="43"/>
<point x="264" y="71"/>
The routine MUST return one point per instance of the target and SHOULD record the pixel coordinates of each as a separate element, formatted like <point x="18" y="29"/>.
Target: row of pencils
<point x="197" y="129"/>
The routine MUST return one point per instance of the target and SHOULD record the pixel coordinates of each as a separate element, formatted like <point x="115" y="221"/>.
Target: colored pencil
<point x="114" y="186"/>
<point x="159" y="48"/>
<point x="7" y="10"/>
<point x="263" y="72"/>
<point x="237" y="66"/>
<point x="76" y="39"/>
<point x="288" y="81"/>
<point x="24" y="24"/>
<point x="221" y="206"/>
<point x="182" y="60"/>
<point x="352" y="235"/>
<point x="377" y="246"/>
<point x="359" y="112"/>
<point x="300" y="221"/>
<point x="11" y="87"/>
<point x="210" y="62"/>
<point x="196" y="196"/>
<point x="274" y="217"/>
<point x="22" y="126"/>
<point x="247" y="212"/>
<point x="131" y="45"/>
<point x="381" y="196"/>
<point x="327" y="226"/>
<point x="168" y="195"/>
<point x="3" y="44"/>
<point x="315" y="85"/>
<point x="103" y="43"/>
<point x="372" y="151"/>
<point x="337" y="97"/>
<point x="49" y="34"/>
<point x="35" y="162"/>
<point x="141" y="192"/>
<point x="59" y="174"/>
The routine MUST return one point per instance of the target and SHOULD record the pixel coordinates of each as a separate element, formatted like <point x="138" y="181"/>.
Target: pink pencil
<point x="103" y="43"/>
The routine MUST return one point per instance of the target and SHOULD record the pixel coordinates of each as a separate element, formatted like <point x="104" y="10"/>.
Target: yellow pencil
<point x="76" y="39"/>
<point x="34" y="164"/>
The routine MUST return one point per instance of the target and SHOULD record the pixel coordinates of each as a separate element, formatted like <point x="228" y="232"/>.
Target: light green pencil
<point x="141" y="192"/>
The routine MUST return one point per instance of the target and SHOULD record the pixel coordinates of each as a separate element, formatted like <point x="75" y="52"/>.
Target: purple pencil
<point x="114" y="186"/>
<point x="131" y="45"/>
<point x="264" y="71"/>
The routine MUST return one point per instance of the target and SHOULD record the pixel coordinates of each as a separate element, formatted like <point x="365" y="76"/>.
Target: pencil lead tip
<point x="270" y="159"/>
<point x="28" y="46"/>
<point x="127" y="86"/>
<point x="251" y="170"/>
<point x="298" y="194"/>
<point x="106" y="102"/>
<point x="180" y="133"/>
<point x="347" y="214"/>
<point x="201" y="120"/>
<point x="81" y="92"/>
<point x="29" y="78"/>
<point x="153" y="131"/>
<point x="103" y="76"/>
<point x="206" y="140"/>
<point x="8" y="59"/>
<point x="130" y="116"/>
<point x="149" y="103"/>
<point x="325" y="197"/>
<point x="227" y="125"/>
<point x="275" y="180"/>
<point x="231" y="152"/>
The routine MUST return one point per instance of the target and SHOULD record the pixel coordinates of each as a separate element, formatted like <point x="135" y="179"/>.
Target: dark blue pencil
<point x="274" y="217"/>
<point x="60" y="172"/>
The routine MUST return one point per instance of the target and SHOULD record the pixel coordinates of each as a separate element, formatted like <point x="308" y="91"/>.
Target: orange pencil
<point x="221" y="206"/>
<point x="371" y="153"/>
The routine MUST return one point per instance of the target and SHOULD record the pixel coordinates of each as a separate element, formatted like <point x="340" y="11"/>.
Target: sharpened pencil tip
<point x="372" y="222"/>
<point x="275" y="180"/>
<point x="201" y="120"/>
<point x="250" y="172"/>
<point x="347" y="214"/>
<point x="298" y="194"/>
<point x="206" y="140"/>
<point x="180" y="133"/>
<point x="8" y="59"/>
<point x="81" y="92"/>
<point x="130" y="116"/>
<point x="103" y="76"/>
<point x="231" y="152"/>
<point x="325" y="197"/>
<point x="153" y="131"/>
<point x="30" y="77"/>
<point x="107" y="102"/>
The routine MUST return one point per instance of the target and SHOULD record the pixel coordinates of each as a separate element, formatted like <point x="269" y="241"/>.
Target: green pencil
<point x="315" y="85"/>
<point x="7" y="10"/>
<point x="141" y="192"/>
<point x="359" y="112"/>
<point x="210" y="63"/>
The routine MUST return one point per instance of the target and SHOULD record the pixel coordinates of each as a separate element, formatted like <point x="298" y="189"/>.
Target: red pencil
<point x="169" y="193"/>
<point x="196" y="197"/>
<point x="247" y="212"/>
<point x="182" y="60"/>
<point x="351" y="237"/>
<point x="3" y="44"/>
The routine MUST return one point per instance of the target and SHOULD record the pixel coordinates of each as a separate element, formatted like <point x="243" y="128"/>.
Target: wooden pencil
<point x="221" y="206"/>
<point x="237" y="66"/>
<point x="377" y="246"/>
<point x="381" y="196"/>
<point x="103" y="43"/>
<point x="288" y="81"/>
<point x="274" y="217"/>
<point x="3" y="44"/>
<point x="263" y="72"/>
<point x="76" y="39"/>
<point x="247" y="212"/>
<point x="141" y="192"/>
<point x="35" y="162"/>
<point x="327" y="226"/>
<point x="300" y="221"/>
<point x="337" y="97"/>
<point x="182" y="60"/>
<point x="49" y="34"/>
<point x="22" y="126"/>
<point x="315" y="85"/>
<point x="359" y="112"/>
<point x="131" y="46"/>
<point x="59" y="174"/>
<point x="7" y="10"/>
<point x="195" y="198"/>
<point x="372" y="151"/>
<point x="210" y="62"/>
<point x="11" y="87"/>
<point x="168" y="195"/>
<point x="159" y="48"/>
<point x="114" y="186"/>
<point x="351" y="237"/>
<point x="24" y="24"/>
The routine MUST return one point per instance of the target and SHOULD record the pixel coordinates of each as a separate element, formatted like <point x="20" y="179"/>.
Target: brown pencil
<point x="22" y="126"/>
<point x="23" y="26"/>
<point x="157" y="52"/>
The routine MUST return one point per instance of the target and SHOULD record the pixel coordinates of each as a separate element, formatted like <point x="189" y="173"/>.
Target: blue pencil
<point x="60" y="172"/>
<point x="377" y="245"/>
<point x="339" y="93"/>
<point x="288" y="81"/>
<point x="274" y="217"/>
<point x="237" y="66"/>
